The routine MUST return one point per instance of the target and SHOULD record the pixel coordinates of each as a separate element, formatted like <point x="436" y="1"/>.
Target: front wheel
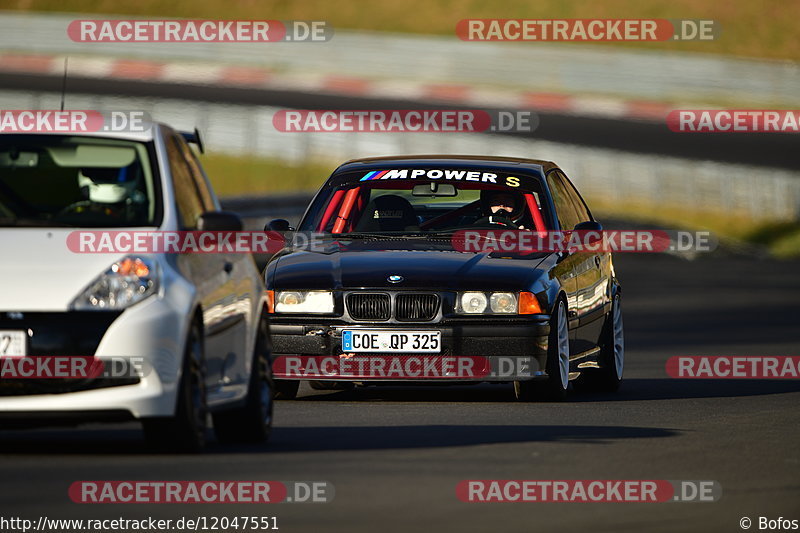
<point x="554" y="388"/>
<point x="608" y="377"/>
<point x="251" y="423"/>
<point x="186" y="431"/>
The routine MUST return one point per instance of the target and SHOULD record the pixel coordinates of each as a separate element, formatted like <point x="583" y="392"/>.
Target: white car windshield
<point x="74" y="181"/>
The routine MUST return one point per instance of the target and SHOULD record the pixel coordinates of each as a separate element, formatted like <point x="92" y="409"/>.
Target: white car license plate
<point x="13" y="343"/>
<point x="388" y="341"/>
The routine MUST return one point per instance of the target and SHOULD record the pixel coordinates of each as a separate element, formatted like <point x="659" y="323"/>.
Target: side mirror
<point x="219" y="221"/>
<point x="279" y="224"/>
<point x="592" y="226"/>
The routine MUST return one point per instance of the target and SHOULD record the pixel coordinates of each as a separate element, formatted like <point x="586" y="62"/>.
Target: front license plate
<point x="387" y="341"/>
<point x="13" y="343"/>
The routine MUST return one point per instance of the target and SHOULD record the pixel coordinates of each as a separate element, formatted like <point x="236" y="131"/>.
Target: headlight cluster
<point x="125" y="283"/>
<point x="497" y="303"/>
<point x="475" y="303"/>
<point x="314" y="302"/>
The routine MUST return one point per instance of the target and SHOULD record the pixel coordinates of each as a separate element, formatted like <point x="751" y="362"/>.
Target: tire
<point x="554" y="388"/>
<point x="186" y="431"/>
<point x="251" y="423"/>
<point x="608" y="377"/>
<point x="286" y="390"/>
<point x="331" y="385"/>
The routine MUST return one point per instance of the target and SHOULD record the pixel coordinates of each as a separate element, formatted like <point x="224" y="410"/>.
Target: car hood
<point x="39" y="273"/>
<point x="430" y="269"/>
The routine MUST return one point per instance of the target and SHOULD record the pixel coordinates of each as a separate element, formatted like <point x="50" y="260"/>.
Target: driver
<point x="501" y="207"/>
<point x="111" y="192"/>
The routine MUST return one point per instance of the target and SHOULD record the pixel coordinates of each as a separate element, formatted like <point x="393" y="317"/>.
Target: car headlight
<point x="503" y="302"/>
<point x="473" y="302"/>
<point x="497" y="303"/>
<point x="320" y="302"/>
<point x="128" y="281"/>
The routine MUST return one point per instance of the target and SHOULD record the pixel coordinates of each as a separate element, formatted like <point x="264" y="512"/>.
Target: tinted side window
<point x="199" y="176"/>
<point x="577" y="200"/>
<point x="190" y="205"/>
<point x="568" y="217"/>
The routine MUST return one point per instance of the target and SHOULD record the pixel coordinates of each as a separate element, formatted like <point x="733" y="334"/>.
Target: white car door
<point x="220" y="281"/>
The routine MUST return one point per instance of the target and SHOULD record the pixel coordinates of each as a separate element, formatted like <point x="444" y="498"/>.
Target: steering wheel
<point x="73" y="207"/>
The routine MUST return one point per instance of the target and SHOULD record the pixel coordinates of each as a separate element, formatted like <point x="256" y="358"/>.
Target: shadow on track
<point x="101" y="440"/>
<point x="126" y="439"/>
<point x="631" y="390"/>
<point x="329" y="438"/>
<point x="334" y="438"/>
<point x="677" y="389"/>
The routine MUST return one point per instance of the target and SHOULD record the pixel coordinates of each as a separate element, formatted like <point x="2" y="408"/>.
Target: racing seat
<point x="388" y="213"/>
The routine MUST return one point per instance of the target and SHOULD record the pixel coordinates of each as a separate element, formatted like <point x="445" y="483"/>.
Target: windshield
<point x="393" y="203"/>
<point x="72" y="181"/>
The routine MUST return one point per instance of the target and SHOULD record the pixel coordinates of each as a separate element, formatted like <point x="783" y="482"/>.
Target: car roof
<point x="405" y="161"/>
<point x="142" y="136"/>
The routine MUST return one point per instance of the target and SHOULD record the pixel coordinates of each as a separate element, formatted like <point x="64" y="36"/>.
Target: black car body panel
<point x="427" y="266"/>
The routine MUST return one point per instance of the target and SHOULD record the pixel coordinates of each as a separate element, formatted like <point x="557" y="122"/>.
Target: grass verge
<point x="237" y="176"/>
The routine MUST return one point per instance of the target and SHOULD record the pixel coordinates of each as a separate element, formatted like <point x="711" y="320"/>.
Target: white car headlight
<point x="128" y="281"/>
<point x="304" y="302"/>
<point x="488" y="303"/>
<point x="503" y="302"/>
<point x="473" y="302"/>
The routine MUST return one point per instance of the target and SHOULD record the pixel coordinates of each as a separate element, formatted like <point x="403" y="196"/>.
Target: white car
<point x="192" y="326"/>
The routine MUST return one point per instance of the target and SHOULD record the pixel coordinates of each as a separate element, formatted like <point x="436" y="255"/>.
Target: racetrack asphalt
<point x="396" y="454"/>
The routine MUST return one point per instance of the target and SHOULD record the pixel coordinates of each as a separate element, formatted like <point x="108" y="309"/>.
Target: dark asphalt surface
<point x="395" y="455"/>
<point x="767" y="149"/>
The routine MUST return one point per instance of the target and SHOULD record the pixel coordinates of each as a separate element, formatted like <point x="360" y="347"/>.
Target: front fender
<point x="548" y="290"/>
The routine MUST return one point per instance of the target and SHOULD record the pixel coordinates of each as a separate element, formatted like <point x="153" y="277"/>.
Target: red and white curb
<point x="256" y="77"/>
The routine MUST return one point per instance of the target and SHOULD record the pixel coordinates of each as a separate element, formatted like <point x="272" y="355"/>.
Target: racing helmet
<point x="108" y="185"/>
<point x="489" y="196"/>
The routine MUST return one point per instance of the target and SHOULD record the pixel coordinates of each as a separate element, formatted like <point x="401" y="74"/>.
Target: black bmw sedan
<point x="382" y="282"/>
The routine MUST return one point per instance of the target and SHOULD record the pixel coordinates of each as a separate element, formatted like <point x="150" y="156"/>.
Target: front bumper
<point x="149" y="336"/>
<point x="508" y="351"/>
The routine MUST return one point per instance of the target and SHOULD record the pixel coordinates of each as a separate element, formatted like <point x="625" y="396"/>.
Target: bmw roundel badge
<point x="394" y="278"/>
